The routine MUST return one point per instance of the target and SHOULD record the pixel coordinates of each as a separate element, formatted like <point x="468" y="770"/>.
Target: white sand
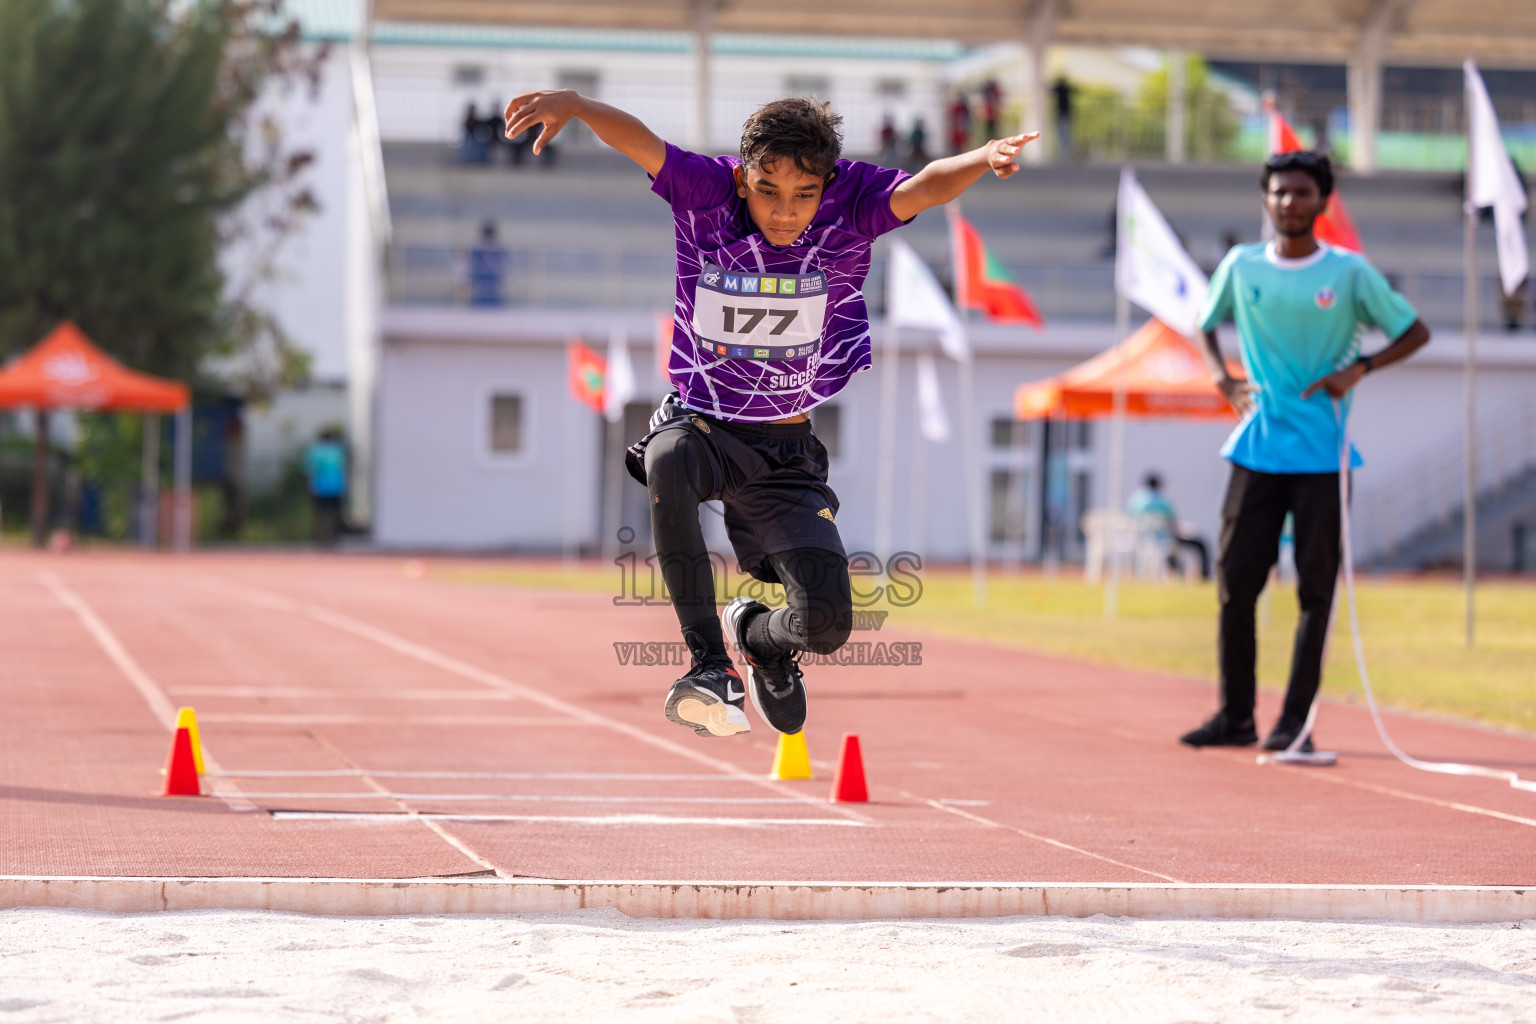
<point x="599" y="965"/>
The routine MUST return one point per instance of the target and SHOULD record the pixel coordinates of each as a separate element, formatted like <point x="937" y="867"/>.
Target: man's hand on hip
<point x="1238" y="393"/>
<point x="1338" y="383"/>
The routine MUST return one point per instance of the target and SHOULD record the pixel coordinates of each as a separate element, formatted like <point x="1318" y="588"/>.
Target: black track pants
<point x="1252" y="518"/>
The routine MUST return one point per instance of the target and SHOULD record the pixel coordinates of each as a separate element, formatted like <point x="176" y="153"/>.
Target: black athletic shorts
<point x="771" y="478"/>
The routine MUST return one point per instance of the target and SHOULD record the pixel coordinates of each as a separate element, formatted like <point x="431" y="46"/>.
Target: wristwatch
<point x="1370" y="364"/>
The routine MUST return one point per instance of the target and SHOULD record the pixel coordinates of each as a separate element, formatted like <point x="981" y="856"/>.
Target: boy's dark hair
<point x="1317" y="165"/>
<point x="802" y="130"/>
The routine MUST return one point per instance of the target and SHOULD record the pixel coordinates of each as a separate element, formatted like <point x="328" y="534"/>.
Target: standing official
<point x="1300" y="309"/>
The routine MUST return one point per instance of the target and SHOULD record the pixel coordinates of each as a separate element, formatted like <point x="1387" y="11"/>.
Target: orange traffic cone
<point x="848" y="787"/>
<point x="181" y="767"/>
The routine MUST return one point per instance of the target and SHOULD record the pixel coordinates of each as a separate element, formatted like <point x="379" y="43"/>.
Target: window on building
<point x="468" y="74"/>
<point x="1006" y="504"/>
<point x="1081" y="434"/>
<point x="827" y="422"/>
<point x="506" y="424"/>
<point x="814" y="87"/>
<point x="891" y="88"/>
<point x="1009" y="433"/>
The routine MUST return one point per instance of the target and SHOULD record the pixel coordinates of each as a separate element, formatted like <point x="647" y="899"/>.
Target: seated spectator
<point x="1148" y="503"/>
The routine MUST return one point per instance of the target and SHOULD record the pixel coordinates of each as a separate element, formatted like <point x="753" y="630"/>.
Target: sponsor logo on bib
<point x="1325" y="298"/>
<point x="759" y="316"/>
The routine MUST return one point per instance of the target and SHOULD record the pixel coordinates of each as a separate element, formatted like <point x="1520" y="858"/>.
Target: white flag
<point x="932" y="420"/>
<point x="1151" y="267"/>
<point x="913" y="298"/>
<point x="619" y="387"/>
<point x="1493" y="181"/>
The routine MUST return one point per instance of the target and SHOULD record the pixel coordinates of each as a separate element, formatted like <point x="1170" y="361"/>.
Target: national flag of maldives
<point x="1334" y="225"/>
<point x="587" y="371"/>
<point x="982" y="283"/>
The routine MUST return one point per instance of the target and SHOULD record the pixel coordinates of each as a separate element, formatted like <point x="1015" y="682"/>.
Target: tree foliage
<point x="1109" y="126"/>
<point x="130" y="140"/>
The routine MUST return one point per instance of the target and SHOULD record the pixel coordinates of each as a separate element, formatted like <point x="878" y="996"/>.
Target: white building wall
<point x="307" y="295"/>
<point x="437" y="489"/>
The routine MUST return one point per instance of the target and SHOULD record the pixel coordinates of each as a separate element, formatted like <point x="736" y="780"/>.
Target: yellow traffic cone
<point x="791" y="760"/>
<point x="186" y="719"/>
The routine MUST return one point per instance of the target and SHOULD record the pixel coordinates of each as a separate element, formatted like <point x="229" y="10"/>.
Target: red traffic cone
<point x="181" y="767"/>
<point x="848" y="787"/>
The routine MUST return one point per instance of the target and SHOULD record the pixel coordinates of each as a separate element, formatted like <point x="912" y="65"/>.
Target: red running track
<point x="363" y="724"/>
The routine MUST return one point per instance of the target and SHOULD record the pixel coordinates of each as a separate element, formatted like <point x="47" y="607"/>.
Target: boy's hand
<point x="1003" y="154"/>
<point x="550" y="107"/>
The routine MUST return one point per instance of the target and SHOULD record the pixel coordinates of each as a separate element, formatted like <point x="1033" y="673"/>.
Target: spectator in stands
<point x="1064" y="92"/>
<point x="474" y="147"/>
<point x="1149" y="504"/>
<point x="487" y="267"/>
<point x="991" y="106"/>
<point x="959" y="124"/>
<point x="889" y="152"/>
<point x="325" y="470"/>
<point x="917" y="143"/>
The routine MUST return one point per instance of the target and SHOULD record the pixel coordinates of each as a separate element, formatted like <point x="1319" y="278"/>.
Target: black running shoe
<point x="776" y="686"/>
<point x="708" y="701"/>
<point x="1219" y="732"/>
<point x="1284" y="734"/>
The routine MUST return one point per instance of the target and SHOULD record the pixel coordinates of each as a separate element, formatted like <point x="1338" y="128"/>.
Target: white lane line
<point x="437" y="659"/>
<point x="337" y="773"/>
<point x="274" y="718"/>
<point x="406" y="809"/>
<point x="1421" y="798"/>
<point x="349" y="693"/>
<point x="528" y="797"/>
<point x="949" y="809"/>
<point x="564" y="819"/>
<point x="159" y="704"/>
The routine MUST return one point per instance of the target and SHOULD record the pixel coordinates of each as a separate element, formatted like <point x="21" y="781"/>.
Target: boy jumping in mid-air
<point x="772" y="252"/>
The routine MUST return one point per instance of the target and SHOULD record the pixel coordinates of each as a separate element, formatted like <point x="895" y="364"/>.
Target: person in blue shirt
<point x="1148" y="501"/>
<point x="1300" y="309"/>
<point x="325" y="470"/>
<point x="487" y="267"/>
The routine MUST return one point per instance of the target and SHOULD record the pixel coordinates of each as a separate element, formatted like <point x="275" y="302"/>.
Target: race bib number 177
<point x="759" y="316"/>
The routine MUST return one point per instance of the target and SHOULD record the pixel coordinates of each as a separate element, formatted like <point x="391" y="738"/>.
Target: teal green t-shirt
<point x="1297" y="320"/>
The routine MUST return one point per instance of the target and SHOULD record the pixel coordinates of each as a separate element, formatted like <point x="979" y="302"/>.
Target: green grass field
<point x="1412" y="628"/>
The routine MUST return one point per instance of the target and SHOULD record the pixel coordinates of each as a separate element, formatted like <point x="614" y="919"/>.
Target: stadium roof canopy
<point x="1401" y="32"/>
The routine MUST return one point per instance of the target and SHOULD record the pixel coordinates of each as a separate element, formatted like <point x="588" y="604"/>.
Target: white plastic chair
<point x="1107" y="534"/>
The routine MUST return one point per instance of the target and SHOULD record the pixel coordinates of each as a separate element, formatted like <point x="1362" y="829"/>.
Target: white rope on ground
<point x="1438" y="767"/>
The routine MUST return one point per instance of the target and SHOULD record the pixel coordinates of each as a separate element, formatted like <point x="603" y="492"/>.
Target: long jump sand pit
<point x="594" y="965"/>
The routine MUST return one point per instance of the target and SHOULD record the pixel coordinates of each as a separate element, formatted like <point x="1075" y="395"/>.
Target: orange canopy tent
<point x="1159" y="369"/>
<point x="66" y="371"/>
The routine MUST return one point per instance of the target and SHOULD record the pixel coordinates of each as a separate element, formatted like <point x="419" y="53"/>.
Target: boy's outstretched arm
<point x="555" y="107"/>
<point x="945" y="179"/>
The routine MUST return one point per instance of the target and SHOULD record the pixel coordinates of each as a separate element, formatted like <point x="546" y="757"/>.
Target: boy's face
<point x="781" y="198"/>
<point x="1293" y="202"/>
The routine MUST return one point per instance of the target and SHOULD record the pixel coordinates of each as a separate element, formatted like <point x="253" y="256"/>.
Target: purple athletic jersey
<point x="762" y="358"/>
